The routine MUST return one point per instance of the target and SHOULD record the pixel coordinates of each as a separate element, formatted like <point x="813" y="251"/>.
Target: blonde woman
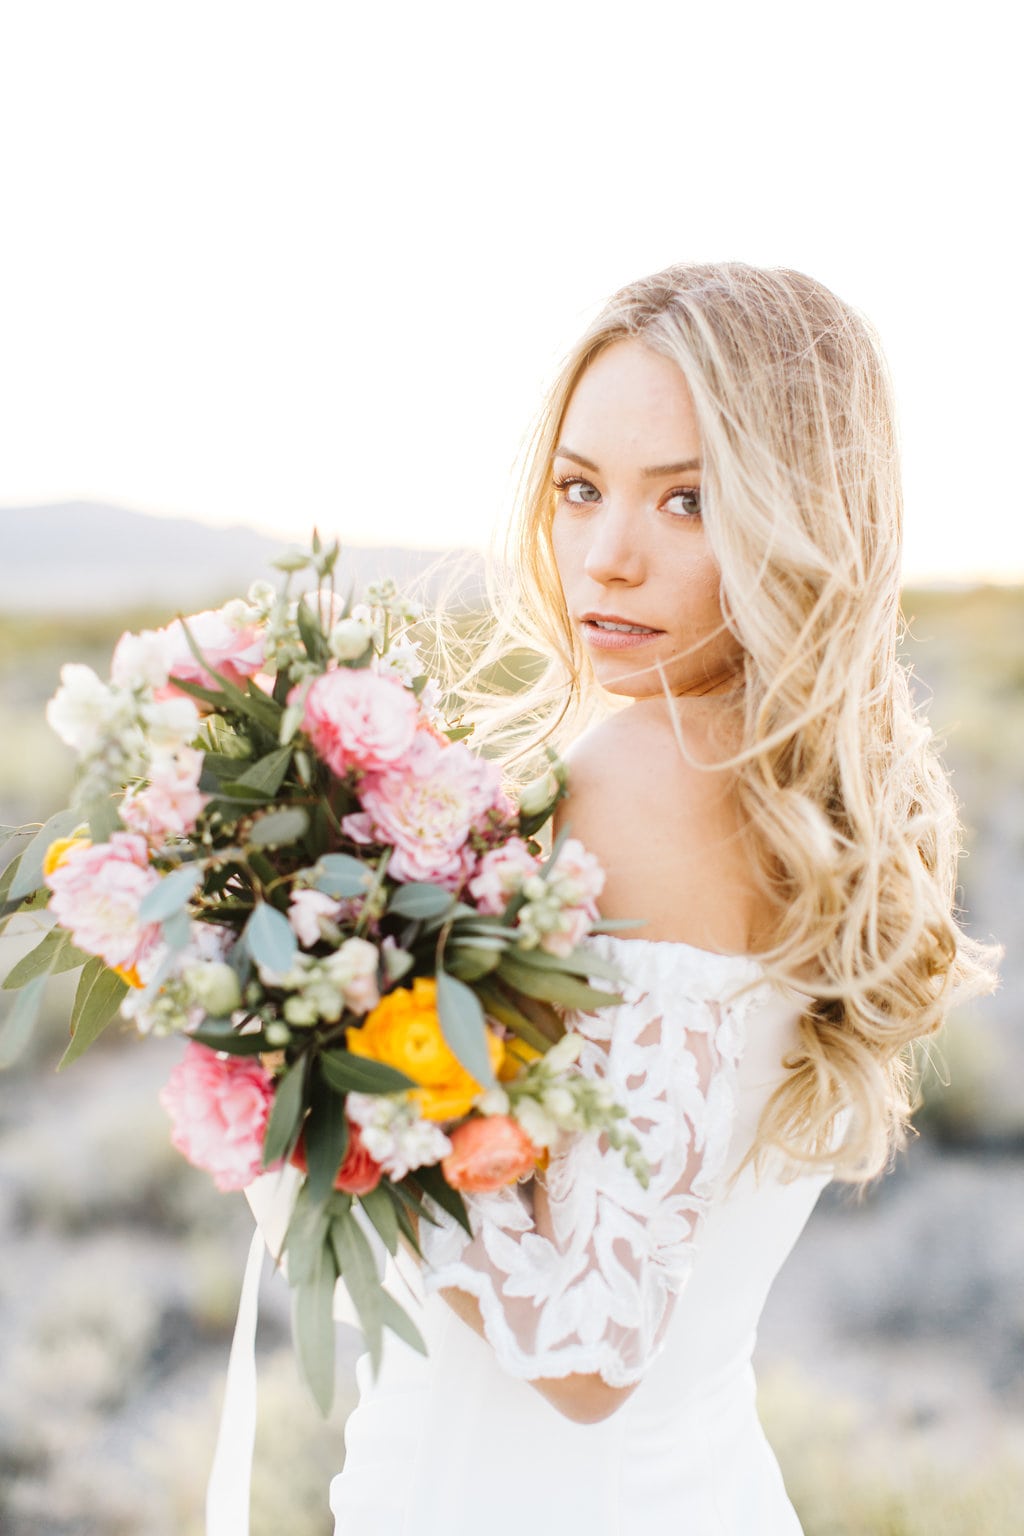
<point x="707" y="552"/>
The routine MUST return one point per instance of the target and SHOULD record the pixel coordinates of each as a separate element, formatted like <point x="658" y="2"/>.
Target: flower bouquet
<point x="281" y="849"/>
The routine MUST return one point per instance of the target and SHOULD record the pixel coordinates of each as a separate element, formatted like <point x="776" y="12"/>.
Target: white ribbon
<point x="228" y="1491"/>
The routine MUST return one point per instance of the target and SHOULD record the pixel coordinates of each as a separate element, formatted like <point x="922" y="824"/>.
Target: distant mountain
<point x="87" y="556"/>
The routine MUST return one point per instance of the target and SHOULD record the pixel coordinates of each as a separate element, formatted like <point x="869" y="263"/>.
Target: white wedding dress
<point x="662" y="1287"/>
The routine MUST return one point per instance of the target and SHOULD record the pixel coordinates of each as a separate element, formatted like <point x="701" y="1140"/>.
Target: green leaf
<point x="381" y="1211"/>
<point x="311" y="633"/>
<point x="538" y="1032"/>
<point x="269" y="938"/>
<point x="402" y="1217"/>
<point x="96" y="1003"/>
<point x="348" y="1072"/>
<point x="104" y="818"/>
<point x="469" y="962"/>
<point x="433" y="1183"/>
<point x="356" y="1265"/>
<point x="326" y="1138"/>
<point x="279" y="827"/>
<point x="306" y="1235"/>
<point x="339" y="874"/>
<point x="266" y="776"/>
<point x="400" y="1322"/>
<point x="553" y="986"/>
<point x="418" y="899"/>
<point x="464" y="1027"/>
<point x="259" y="708"/>
<point x="285" y="1113"/>
<point x="226" y="1038"/>
<point x="313" y="1329"/>
<point x="172" y="893"/>
<point x="54" y="954"/>
<point x="17" y="1026"/>
<point x="30" y="871"/>
<point x="580" y="962"/>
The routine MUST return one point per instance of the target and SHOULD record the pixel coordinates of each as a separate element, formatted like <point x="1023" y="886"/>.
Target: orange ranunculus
<point x="404" y="1031"/>
<point x="58" y="851"/>
<point x="488" y="1153"/>
<point x="517" y="1056"/>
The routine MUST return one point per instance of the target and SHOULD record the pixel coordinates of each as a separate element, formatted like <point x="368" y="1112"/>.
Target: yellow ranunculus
<point x="404" y="1032"/>
<point x="58" y="851"/>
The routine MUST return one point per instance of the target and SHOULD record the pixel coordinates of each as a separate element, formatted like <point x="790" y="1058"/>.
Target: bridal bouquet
<point x="280" y="849"/>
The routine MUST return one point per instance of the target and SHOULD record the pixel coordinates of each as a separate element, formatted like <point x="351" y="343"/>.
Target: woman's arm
<point x="583" y="1399"/>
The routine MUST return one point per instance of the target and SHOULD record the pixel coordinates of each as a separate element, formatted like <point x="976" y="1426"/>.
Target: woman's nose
<point x="614" y="550"/>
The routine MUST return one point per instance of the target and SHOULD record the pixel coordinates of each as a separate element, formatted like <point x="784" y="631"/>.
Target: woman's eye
<point x="565" y="483"/>
<point x="689" y="497"/>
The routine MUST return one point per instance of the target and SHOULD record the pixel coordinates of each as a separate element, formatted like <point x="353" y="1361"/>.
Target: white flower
<point x="85" y="713"/>
<point x="560" y="1105"/>
<point x="349" y="639"/>
<point x="312" y="915"/>
<point x="564" y="1052"/>
<point x="402" y="658"/>
<point x="536" y="1122"/>
<point x="395" y="1134"/>
<point x="493" y="1101"/>
<point x="141" y="661"/>
<point x="171" y="723"/>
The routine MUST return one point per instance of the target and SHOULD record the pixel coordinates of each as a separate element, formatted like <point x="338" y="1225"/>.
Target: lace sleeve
<point x="596" y="1295"/>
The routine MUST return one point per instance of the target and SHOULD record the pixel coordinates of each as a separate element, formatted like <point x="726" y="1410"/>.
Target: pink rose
<point x="488" y="1153"/>
<point x="219" y="1106"/>
<point x="97" y="891"/>
<point x="356" y="719"/>
<point x="425" y="808"/>
<point x="500" y="874"/>
<point x="171" y="801"/>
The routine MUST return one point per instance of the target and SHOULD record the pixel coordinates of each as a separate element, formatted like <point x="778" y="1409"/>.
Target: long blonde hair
<point x="855" y="820"/>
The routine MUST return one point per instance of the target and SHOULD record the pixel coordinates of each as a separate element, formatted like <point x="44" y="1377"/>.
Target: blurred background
<point x="267" y="267"/>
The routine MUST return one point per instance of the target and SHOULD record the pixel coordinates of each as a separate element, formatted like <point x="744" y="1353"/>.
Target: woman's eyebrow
<point x="685" y="467"/>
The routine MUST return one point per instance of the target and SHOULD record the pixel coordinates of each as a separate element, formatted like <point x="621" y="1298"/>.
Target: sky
<point x="314" y="262"/>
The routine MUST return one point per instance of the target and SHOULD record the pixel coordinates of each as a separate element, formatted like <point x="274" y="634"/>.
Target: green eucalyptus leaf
<point x="326" y="1138"/>
<point x="279" y="827"/>
<point x="419" y="899"/>
<point x="286" y="1113"/>
<point x="464" y="1027"/>
<point x="20" y="1021"/>
<point x="381" y="1211"/>
<point x="348" y="1073"/>
<point x="96" y="1003"/>
<point x="226" y="1038"/>
<point x="358" y="1269"/>
<point x="266" y="776"/>
<point x="340" y="875"/>
<point x="30" y="870"/>
<point x="433" y="1183"/>
<point x="269" y="938"/>
<point x="469" y="962"/>
<point x="552" y="986"/>
<point x="54" y="954"/>
<point x="313" y="1328"/>
<point x="173" y="892"/>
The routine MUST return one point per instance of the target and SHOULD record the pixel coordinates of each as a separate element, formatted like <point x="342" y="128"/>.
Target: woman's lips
<point x="605" y="639"/>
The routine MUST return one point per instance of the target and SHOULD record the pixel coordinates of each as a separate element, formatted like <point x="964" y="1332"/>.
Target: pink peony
<point x="425" y="807"/>
<point x="155" y="658"/>
<point x="356" y="719"/>
<point x="500" y="874"/>
<point x="97" y="891"/>
<point x="488" y="1153"/>
<point x="219" y="1106"/>
<point x="171" y="802"/>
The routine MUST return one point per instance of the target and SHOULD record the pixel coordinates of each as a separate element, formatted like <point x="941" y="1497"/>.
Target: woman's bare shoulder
<point x="670" y="836"/>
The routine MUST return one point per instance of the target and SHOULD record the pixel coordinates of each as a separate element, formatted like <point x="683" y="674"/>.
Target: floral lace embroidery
<point x="597" y="1296"/>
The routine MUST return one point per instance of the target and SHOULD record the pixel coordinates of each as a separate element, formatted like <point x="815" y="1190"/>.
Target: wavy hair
<point x="855" y="821"/>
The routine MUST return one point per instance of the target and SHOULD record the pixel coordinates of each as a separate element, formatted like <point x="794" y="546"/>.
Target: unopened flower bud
<point x="214" y="988"/>
<point x="349" y="639"/>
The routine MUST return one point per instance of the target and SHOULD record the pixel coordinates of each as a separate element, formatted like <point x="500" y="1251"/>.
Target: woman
<point x="707" y="552"/>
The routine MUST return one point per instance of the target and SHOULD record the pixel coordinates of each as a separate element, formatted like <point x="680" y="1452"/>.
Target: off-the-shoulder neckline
<point x="694" y="949"/>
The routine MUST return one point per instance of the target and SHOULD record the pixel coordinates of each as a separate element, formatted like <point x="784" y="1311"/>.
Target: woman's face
<point x="639" y="578"/>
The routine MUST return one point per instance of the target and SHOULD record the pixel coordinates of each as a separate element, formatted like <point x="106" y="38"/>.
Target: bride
<point x="707" y="554"/>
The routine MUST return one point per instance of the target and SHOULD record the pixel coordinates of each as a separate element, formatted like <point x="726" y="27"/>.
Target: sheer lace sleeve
<point x="596" y="1294"/>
